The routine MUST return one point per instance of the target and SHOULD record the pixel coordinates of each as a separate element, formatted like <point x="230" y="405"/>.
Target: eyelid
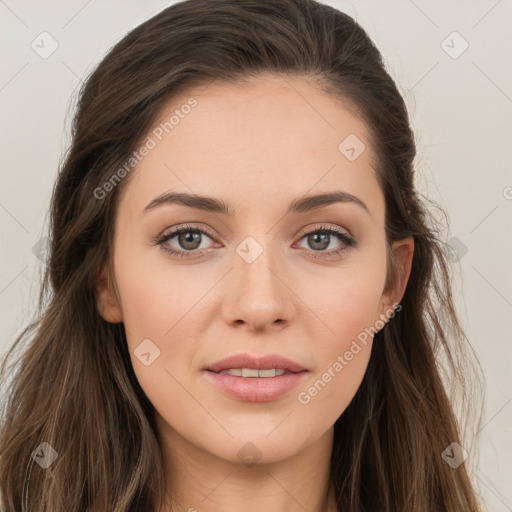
<point x="206" y="231"/>
<point x="326" y="227"/>
<point x="185" y="227"/>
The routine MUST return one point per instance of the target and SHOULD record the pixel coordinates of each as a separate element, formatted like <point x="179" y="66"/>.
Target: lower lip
<point x="256" y="389"/>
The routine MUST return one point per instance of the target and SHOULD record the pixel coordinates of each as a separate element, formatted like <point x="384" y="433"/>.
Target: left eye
<point x="321" y="238"/>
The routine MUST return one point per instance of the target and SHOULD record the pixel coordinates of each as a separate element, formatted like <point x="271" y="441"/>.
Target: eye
<point x="320" y="238"/>
<point x="189" y="239"/>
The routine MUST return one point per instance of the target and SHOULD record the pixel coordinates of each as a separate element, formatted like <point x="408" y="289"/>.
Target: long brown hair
<point x="73" y="385"/>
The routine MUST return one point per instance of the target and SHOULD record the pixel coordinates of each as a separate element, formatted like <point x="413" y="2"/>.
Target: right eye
<point x="188" y="237"/>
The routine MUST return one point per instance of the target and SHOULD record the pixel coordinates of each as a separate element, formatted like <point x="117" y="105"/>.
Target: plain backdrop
<point x="451" y="61"/>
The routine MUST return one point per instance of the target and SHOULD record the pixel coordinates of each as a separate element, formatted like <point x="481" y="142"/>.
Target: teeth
<point x="266" y="373"/>
<point x="252" y="372"/>
<point x="249" y="372"/>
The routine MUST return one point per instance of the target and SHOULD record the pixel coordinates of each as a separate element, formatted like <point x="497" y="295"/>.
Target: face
<point x="274" y="275"/>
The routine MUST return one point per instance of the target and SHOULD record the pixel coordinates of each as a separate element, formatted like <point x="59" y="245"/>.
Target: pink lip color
<point x="256" y="389"/>
<point x="266" y="362"/>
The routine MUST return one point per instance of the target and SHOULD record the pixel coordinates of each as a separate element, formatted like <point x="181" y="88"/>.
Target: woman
<point x="242" y="307"/>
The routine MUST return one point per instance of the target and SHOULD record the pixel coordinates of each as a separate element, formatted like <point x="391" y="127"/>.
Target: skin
<point x="258" y="147"/>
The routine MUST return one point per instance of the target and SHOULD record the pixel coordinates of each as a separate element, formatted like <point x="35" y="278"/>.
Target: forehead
<point x="264" y="140"/>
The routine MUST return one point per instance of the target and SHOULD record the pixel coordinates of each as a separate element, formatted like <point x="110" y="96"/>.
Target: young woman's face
<point x="266" y="279"/>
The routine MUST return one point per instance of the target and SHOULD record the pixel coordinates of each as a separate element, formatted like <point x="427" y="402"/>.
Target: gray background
<point x="461" y="114"/>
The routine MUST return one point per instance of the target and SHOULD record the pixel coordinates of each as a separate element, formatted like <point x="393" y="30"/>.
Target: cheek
<point x="348" y="306"/>
<point x="345" y="301"/>
<point x="164" y="305"/>
<point x="157" y="299"/>
<point x="341" y="358"/>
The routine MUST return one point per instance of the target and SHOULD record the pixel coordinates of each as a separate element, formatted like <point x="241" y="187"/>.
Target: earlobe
<point x="106" y="300"/>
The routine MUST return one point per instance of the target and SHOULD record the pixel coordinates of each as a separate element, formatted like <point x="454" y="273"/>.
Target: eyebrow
<point x="213" y="205"/>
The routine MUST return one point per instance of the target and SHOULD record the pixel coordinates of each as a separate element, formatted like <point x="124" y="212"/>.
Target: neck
<point x="200" y="481"/>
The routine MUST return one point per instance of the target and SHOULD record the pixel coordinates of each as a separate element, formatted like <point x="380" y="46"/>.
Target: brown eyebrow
<point x="210" y="204"/>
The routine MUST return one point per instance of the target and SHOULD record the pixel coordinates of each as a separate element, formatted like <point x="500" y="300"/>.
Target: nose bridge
<point x="258" y="293"/>
<point x="256" y="264"/>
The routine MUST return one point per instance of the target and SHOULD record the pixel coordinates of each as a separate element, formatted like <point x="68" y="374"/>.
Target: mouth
<point x="255" y="379"/>
<point x="255" y="373"/>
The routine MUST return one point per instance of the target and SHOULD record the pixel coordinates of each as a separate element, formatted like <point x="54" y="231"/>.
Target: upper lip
<point x="266" y="362"/>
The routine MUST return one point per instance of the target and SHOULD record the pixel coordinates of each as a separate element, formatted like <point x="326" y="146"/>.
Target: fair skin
<point x="256" y="147"/>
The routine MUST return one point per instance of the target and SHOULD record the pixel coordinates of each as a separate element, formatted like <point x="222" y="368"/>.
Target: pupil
<point x="190" y="238"/>
<point x="317" y="238"/>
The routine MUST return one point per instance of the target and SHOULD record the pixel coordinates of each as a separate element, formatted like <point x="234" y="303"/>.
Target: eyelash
<point x="348" y="240"/>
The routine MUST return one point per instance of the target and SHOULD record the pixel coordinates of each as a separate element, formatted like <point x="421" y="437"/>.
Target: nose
<point x="257" y="294"/>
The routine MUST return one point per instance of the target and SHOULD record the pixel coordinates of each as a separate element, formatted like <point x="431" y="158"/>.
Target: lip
<point x="266" y="362"/>
<point x="256" y="389"/>
<point x="252" y="389"/>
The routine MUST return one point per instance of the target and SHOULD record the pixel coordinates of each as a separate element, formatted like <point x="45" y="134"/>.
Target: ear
<point x="402" y="254"/>
<point x="106" y="299"/>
